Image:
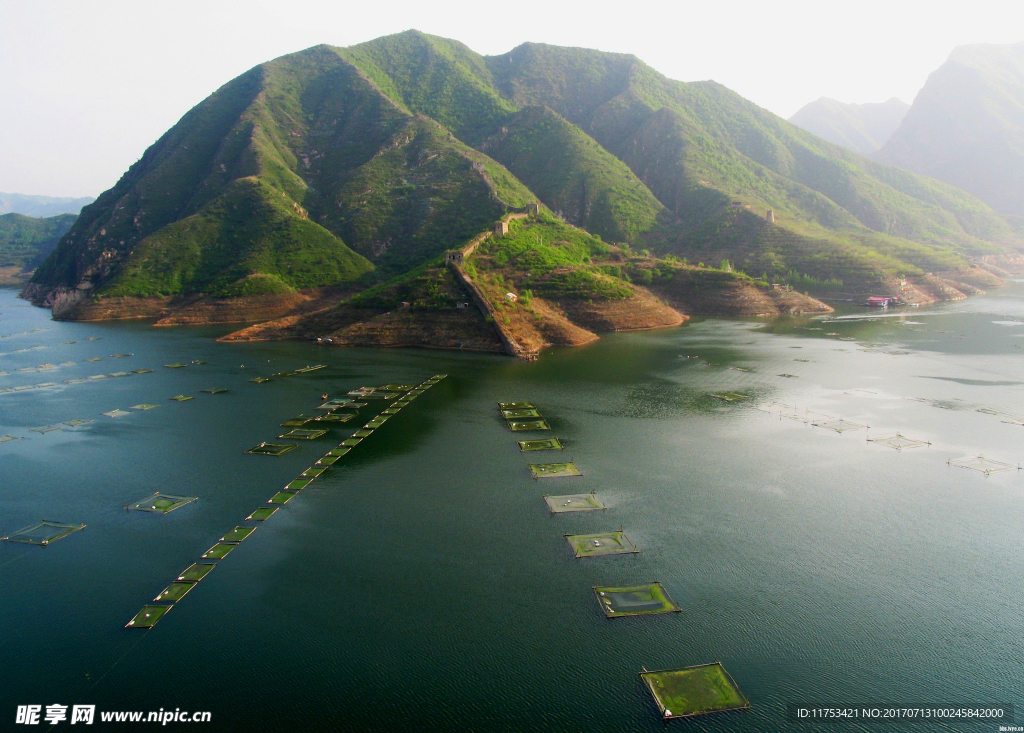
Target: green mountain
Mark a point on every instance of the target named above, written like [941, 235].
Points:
[26, 241]
[862, 128]
[966, 126]
[349, 166]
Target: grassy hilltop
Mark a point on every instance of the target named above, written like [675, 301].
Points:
[346, 168]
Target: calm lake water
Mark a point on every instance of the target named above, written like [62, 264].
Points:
[422, 584]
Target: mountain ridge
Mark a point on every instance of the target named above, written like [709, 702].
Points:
[391, 152]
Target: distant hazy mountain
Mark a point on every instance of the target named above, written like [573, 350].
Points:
[20, 203]
[26, 241]
[863, 128]
[966, 126]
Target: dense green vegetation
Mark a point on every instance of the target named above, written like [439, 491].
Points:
[336, 166]
[249, 230]
[544, 256]
[26, 241]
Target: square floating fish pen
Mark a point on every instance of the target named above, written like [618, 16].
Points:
[215, 390]
[554, 470]
[181, 398]
[335, 417]
[573, 503]
[175, 366]
[297, 422]
[143, 406]
[338, 452]
[161, 503]
[281, 497]
[684, 693]
[238, 534]
[543, 444]
[271, 449]
[634, 600]
[327, 460]
[899, 442]
[526, 425]
[116, 413]
[731, 396]
[312, 472]
[147, 617]
[175, 591]
[261, 514]
[983, 465]
[298, 484]
[46, 429]
[350, 442]
[515, 406]
[218, 551]
[8, 438]
[838, 425]
[364, 433]
[260, 380]
[196, 571]
[142, 371]
[520, 414]
[300, 434]
[600, 544]
[43, 533]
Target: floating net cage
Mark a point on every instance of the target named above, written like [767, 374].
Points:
[338, 452]
[181, 398]
[196, 571]
[524, 425]
[147, 617]
[684, 693]
[520, 414]
[899, 441]
[215, 390]
[281, 497]
[601, 544]
[261, 514]
[298, 484]
[542, 444]
[838, 425]
[43, 533]
[298, 422]
[731, 396]
[573, 503]
[175, 366]
[143, 406]
[238, 534]
[46, 429]
[327, 460]
[351, 442]
[336, 402]
[312, 472]
[260, 380]
[554, 470]
[363, 433]
[175, 591]
[8, 438]
[161, 503]
[218, 552]
[116, 413]
[300, 434]
[142, 371]
[983, 465]
[271, 449]
[634, 600]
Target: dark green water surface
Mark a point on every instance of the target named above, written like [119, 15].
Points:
[421, 584]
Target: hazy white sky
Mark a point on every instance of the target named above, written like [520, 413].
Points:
[87, 85]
